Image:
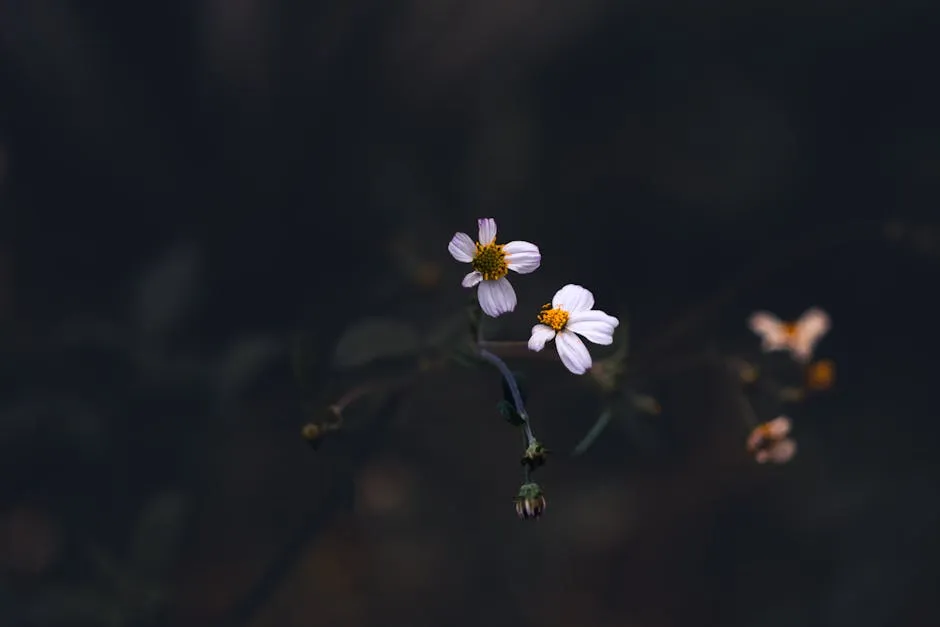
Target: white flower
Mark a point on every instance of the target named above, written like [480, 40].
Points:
[491, 263]
[569, 313]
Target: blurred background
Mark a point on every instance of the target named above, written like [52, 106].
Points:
[193, 192]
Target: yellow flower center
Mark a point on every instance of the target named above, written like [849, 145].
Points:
[556, 318]
[490, 261]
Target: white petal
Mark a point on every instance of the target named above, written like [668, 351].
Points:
[462, 248]
[574, 354]
[593, 315]
[810, 328]
[779, 427]
[815, 318]
[496, 297]
[594, 325]
[573, 298]
[770, 328]
[523, 257]
[764, 323]
[596, 332]
[541, 333]
[487, 233]
[472, 279]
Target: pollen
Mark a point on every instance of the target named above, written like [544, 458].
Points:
[490, 261]
[556, 318]
[790, 329]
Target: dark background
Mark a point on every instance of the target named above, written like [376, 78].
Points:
[185, 186]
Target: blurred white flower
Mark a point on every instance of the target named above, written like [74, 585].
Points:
[799, 338]
[768, 441]
[491, 262]
[570, 313]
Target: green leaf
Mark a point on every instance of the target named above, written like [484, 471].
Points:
[645, 403]
[156, 540]
[508, 411]
[305, 361]
[451, 338]
[450, 331]
[474, 318]
[166, 292]
[243, 363]
[74, 606]
[622, 338]
[465, 357]
[375, 338]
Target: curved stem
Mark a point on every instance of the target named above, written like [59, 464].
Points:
[517, 349]
[513, 389]
[350, 397]
[746, 407]
[602, 421]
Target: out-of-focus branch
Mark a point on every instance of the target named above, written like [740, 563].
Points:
[786, 255]
[340, 496]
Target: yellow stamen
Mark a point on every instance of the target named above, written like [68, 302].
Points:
[556, 318]
[490, 261]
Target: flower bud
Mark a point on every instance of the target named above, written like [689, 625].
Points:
[313, 434]
[530, 502]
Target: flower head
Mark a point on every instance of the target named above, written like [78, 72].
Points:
[535, 455]
[491, 262]
[768, 442]
[314, 433]
[570, 313]
[799, 338]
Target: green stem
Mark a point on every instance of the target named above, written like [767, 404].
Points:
[513, 389]
[602, 421]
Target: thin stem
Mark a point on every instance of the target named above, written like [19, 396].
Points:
[602, 421]
[341, 496]
[747, 409]
[513, 389]
[519, 349]
[377, 385]
[350, 397]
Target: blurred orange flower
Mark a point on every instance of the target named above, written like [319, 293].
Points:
[768, 442]
[820, 375]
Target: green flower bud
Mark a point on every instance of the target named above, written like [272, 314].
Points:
[530, 502]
